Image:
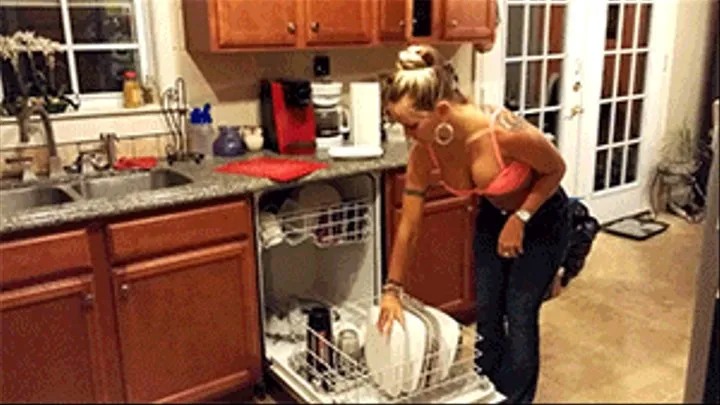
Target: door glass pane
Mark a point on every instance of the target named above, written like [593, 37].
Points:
[102, 23]
[632, 163]
[41, 17]
[512, 86]
[557, 29]
[600, 169]
[628, 26]
[644, 34]
[515, 30]
[637, 113]
[640, 70]
[608, 76]
[102, 71]
[536, 33]
[616, 166]
[532, 85]
[624, 75]
[620, 116]
[534, 119]
[611, 29]
[553, 82]
[604, 125]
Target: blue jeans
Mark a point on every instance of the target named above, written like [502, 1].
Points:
[510, 292]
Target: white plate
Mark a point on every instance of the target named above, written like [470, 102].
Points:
[355, 152]
[449, 331]
[395, 361]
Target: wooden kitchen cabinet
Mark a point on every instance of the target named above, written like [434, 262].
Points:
[469, 20]
[50, 343]
[330, 22]
[189, 324]
[443, 273]
[393, 20]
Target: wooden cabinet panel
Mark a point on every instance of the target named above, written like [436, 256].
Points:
[469, 19]
[45, 255]
[49, 343]
[442, 274]
[243, 23]
[189, 323]
[393, 20]
[330, 22]
[162, 234]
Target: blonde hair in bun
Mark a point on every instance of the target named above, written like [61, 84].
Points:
[423, 75]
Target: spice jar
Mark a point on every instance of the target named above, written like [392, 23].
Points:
[132, 91]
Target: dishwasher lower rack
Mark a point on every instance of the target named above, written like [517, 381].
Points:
[338, 377]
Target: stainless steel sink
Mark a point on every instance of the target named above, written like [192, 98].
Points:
[14, 200]
[121, 185]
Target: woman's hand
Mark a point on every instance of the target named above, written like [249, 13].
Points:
[511, 238]
[391, 309]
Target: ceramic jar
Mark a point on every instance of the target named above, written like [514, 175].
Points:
[253, 137]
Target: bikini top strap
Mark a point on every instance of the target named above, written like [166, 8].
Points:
[433, 157]
[498, 155]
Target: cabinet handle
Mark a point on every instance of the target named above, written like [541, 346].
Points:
[124, 290]
[453, 23]
[401, 23]
[88, 301]
[291, 27]
[315, 26]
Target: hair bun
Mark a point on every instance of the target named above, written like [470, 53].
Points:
[416, 57]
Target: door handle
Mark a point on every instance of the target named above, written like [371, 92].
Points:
[575, 111]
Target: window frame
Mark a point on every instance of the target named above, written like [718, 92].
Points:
[110, 100]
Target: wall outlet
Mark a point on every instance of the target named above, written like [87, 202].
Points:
[321, 65]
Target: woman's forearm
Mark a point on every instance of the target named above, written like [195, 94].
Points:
[545, 186]
[403, 252]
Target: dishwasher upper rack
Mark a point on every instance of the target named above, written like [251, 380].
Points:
[327, 225]
[347, 379]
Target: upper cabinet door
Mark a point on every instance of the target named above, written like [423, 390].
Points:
[469, 19]
[330, 22]
[393, 20]
[244, 23]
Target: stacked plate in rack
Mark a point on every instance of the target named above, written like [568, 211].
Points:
[413, 358]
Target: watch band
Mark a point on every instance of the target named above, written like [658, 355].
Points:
[524, 215]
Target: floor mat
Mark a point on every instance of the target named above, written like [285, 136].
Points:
[640, 227]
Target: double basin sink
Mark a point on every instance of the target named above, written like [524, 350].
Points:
[112, 186]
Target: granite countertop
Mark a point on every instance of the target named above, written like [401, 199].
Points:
[207, 185]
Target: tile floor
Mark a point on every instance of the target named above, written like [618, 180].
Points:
[620, 332]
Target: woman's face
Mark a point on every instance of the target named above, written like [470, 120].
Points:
[418, 125]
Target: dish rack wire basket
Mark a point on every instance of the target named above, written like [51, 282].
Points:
[343, 223]
[343, 378]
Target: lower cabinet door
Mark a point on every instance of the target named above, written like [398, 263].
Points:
[189, 324]
[48, 336]
[442, 274]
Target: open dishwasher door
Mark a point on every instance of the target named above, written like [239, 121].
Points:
[319, 256]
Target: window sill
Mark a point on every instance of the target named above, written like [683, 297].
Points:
[87, 113]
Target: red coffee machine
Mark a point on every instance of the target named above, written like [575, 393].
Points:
[287, 114]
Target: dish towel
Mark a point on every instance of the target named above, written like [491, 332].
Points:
[127, 163]
[277, 169]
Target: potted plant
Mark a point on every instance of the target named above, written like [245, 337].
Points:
[31, 79]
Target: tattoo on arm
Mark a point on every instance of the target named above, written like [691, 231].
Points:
[514, 123]
[415, 192]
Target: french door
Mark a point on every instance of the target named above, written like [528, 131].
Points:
[580, 70]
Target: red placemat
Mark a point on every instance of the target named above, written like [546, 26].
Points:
[277, 169]
[146, 162]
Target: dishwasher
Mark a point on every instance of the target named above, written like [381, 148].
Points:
[319, 254]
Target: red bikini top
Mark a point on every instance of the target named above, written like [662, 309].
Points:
[510, 178]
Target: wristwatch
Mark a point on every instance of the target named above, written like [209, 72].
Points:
[524, 215]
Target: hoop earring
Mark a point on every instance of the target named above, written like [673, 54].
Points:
[444, 140]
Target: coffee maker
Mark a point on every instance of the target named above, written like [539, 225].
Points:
[288, 116]
[331, 117]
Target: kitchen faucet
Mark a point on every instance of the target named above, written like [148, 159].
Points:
[28, 110]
